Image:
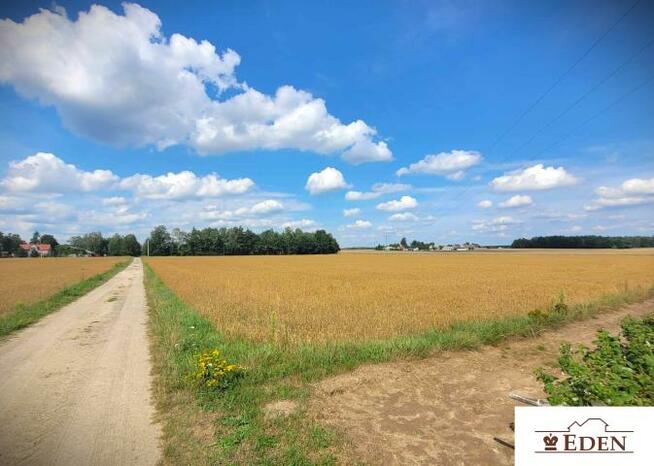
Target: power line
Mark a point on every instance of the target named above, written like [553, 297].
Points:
[576, 102]
[563, 76]
[579, 100]
[615, 102]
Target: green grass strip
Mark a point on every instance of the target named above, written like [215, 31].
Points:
[240, 433]
[27, 314]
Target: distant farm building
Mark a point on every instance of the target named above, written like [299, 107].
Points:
[40, 249]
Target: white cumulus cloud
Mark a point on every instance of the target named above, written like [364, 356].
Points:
[485, 204]
[377, 190]
[516, 201]
[403, 217]
[118, 79]
[330, 179]
[184, 184]
[266, 207]
[303, 224]
[404, 203]
[359, 225]
[451, 164]
[634, 191]
[535, 178]
[495, 225]
[351, 212]
[47, 173]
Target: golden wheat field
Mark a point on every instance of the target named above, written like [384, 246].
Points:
[27, 280]
[353, 296]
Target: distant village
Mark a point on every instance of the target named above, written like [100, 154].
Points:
[421, 246]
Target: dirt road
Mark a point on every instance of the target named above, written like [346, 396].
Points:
[75, 387]
[446, 409]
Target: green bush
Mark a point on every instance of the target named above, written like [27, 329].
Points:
[619, 371]
[557, 310]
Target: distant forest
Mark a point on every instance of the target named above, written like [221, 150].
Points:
[237, 241]
[585, 242]
[161, 242]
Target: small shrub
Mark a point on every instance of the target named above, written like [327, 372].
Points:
[617, 372]
[212, 371]
[557, 309]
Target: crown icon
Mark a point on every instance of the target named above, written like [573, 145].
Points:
[550, 442]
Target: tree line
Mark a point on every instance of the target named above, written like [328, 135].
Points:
[584, 242]
[237, 241]
[197, 242]
[90, 243]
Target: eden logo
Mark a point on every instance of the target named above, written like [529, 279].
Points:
[584, 436]
[590, 436]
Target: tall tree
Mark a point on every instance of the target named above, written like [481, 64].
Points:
[116, 246]
[160, 242]
[93, 242]
[10, 243]
[131, 245]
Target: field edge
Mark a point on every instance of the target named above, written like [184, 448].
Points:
[203, 427]
[25, 315]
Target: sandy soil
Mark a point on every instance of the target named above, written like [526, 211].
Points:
[445, 409]
[75, 387]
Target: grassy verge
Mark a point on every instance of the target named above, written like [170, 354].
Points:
[230, 427]
[27, 314]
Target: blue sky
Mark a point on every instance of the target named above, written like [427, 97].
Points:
[374, 121]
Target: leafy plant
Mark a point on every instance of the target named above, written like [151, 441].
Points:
[557, 309]
[212, 371]
[619, 371]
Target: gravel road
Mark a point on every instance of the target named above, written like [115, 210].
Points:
[75, 387]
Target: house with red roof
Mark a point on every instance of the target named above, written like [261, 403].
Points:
[42, 249]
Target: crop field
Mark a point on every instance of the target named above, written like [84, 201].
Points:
[367, 296]
[27, 280]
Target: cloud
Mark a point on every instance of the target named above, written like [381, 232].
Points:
[266, 207]
[351, 212]
[184, 184]
[377, 190]
[361, 196]
[367, 151]
[114, 201]
[632, 192]
[638, 186]
[359, 225]
[261, 208]
[485, 204]
[516, 201]
[117, 79]
[304, 224]
[46, 173]
[495, 225]
[404, 203]
[403, 217]
[330, 179]
[451, 164]
[534, 178]
[626, 201]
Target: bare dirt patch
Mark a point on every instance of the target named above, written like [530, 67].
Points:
[281, 408]
[447, 408]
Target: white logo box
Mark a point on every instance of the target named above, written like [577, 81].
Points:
[580, 436]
